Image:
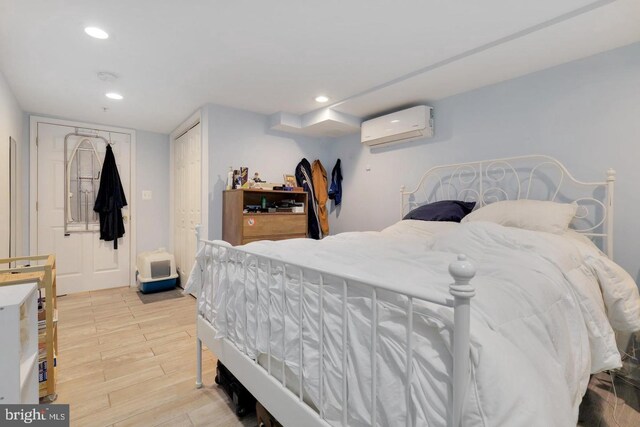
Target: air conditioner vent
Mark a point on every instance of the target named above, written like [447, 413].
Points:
[401, 126]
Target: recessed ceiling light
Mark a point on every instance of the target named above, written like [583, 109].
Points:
[97, 33]
[113, 95]
[322, 98]
[395, 121]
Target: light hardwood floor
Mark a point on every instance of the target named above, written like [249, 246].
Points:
[125, 363]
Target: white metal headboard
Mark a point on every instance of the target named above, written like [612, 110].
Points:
[535, 177]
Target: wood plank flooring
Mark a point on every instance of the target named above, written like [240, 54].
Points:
[125, 363]
[601, 407]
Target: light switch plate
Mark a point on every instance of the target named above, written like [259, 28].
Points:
[146, 194]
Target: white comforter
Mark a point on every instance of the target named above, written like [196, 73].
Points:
[541, 320]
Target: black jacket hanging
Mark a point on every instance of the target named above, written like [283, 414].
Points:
[303, 178]
[110, 201]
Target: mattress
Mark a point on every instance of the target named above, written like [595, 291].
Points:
[542, 319]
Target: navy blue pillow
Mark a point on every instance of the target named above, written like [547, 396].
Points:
[444, 210]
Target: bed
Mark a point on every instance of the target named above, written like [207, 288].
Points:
[426, 323]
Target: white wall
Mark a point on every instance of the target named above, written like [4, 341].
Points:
[585, 113]
[11, 125]
[241, 138]
[152, 173]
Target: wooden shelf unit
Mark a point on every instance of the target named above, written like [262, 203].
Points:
[239, 228]
[45, 275]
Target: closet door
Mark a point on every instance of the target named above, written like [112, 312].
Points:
[187, 198]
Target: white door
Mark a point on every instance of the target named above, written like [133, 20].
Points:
[84, 262]
[187, 210]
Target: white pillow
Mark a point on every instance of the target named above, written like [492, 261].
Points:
[536, 215]
[580, 238]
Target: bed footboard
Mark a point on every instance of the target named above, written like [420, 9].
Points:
[276, 395]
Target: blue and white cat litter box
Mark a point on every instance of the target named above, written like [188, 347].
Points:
[156, 271]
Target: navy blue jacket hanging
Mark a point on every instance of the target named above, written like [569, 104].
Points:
[303, 178]
[110, 201]
[335, 190]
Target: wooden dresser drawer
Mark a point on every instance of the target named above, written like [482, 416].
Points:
[273, 237]
[262, 225]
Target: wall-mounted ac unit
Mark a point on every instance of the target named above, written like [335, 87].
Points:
[401, 126]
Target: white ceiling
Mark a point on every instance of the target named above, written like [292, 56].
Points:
[367, 55]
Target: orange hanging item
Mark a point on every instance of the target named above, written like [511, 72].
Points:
[319, 177]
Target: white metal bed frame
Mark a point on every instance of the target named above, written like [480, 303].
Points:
[484, 182]
[515, 178]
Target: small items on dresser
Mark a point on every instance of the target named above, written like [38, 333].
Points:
[230, 178]
[244, 176]
[238, 178]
